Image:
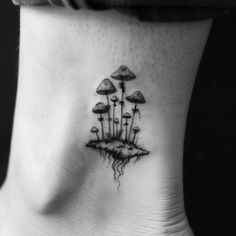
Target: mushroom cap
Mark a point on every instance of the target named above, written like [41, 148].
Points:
[136, 129]
[136, 97]
[94, 129]
[100, 108]
[106, 87]
[116, 121]
[114, 98]
[124, 74]
[127, 115]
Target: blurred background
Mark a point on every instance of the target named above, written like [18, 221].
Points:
[210, 146]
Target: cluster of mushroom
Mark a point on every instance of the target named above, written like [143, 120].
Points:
[107, 88]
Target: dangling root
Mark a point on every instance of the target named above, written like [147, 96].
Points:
[118, 168]
[118, 164]
[117, 161]
[114, 167]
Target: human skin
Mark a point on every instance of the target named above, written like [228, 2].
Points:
[58, 186]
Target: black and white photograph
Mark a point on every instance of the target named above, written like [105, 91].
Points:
[117, 117]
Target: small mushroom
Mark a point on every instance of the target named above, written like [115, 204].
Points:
[122, 74]
[116, 122]
[100, 108]
[126, 116]
[114, 99]
[106, 88]
[95, 131]
[136, 98]
[135, 131]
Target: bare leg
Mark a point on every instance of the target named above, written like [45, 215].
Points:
[58, 186]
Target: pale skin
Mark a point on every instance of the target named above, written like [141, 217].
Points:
[58, 186]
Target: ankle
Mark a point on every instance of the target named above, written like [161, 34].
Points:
[145, 202]
[108, 218]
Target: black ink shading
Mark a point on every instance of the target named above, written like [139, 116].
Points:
[119, 144]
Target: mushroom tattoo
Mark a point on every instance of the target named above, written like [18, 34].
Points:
[136, 98]
[122, 74]
[105, 88]
[112, 146]
[100, 108]
[114, 99]
[126, 116]
[95, 130]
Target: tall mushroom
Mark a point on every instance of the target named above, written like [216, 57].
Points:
[95, 131]
[122, 74]
[135, 131]
[106, 88]
[126, 116]
[100, 108]
[116, 122]
[136, 98]
[114, 99]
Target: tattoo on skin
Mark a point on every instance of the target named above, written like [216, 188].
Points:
[117, 139]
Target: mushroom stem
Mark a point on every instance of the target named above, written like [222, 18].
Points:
[116, 131]
[113, 124]
[132, 122]
[126, 130]
[134, 136]
[102, 128]
[122, 86]
[97, 136]
[109, 118]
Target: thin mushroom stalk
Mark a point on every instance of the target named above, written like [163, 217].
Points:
[126, 131]
[102, 126]
[134, 137]
[114, 99]
[113, 124]
[97, 136]
[135, 131]
[116, 130]
[109, 117]
[134, 110]
[116, 122]
[122, 86]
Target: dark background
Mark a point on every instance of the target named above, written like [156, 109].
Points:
[209, 159]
